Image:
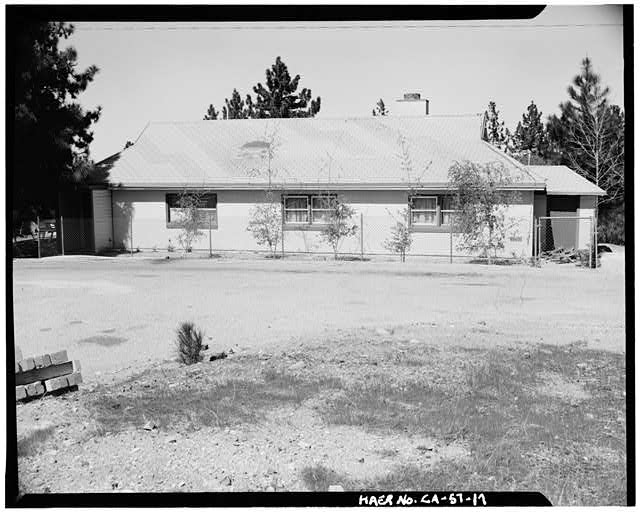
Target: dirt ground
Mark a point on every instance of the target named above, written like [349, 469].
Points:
[116, 315]
[337, 370]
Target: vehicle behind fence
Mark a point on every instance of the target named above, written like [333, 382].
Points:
[41, 237]
[566, 239]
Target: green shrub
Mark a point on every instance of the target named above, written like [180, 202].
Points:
[189, 343]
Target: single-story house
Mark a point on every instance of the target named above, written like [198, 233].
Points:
[378, 165]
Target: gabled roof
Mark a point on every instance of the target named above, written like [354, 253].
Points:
[343, 153]
[560, 180]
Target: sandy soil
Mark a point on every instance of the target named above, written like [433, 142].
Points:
[118, 314]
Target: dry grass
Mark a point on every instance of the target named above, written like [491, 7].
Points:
[32, 442]
[519, 438]
[496, 403]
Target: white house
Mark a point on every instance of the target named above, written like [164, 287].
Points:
[378, 165]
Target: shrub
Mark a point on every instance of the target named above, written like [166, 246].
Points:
[400, 240]
[189, 343]
[338, 223]
[266, 224]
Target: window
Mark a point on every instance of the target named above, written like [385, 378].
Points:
[207, 211]
[424, 211]
[320, 208]
[296, 210]
[308, 209]
[432, 210]
[447, 210]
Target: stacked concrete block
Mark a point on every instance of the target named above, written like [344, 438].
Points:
[46, 373]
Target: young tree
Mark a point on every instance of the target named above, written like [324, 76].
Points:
[494, 127]
[481, 197]
[265, 221]
[128, 144]
[212, 114]
[51, 127]
[339, 224]
[189, 203]
[529, 139]
[589, 134]
[280, 99]
[401, 237]
[381, 109]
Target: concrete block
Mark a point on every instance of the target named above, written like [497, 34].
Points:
[40, 374]
[35, 389]
[27, 364]
[59, 357]
[56, 383]
[21, 392]
[46, 360]
[17, 368]
[18, 353]
[74, 379]
[39, 361]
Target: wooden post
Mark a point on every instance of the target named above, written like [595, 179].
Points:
[38, 233]
[131, 233]
[62, 233]
[361, 238]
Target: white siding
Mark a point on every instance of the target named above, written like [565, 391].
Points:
[144, 212]
[102, 220]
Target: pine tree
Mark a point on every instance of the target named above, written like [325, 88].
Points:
[494, 128]
[237, 108]
[589, 134]
[52, 132]
[380, 109]
[279, 98]
[528, 143]
[212, 114]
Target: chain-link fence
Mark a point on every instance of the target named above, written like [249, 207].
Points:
[566, 239]
[35, 238]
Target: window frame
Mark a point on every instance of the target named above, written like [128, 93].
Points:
[310, 223]
[424, 210]
[203, 223]
[286, 210]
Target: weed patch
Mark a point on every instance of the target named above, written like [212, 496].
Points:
[31, 444]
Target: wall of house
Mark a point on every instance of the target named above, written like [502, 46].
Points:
[102, 227]
[139, 221]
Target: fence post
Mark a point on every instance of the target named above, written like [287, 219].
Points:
[38, 233]
[131, 233]
[450, 239]
[210, 253]
[361, 238]
[62, 233]
[539, 251]
[591, 244]
[282, 228]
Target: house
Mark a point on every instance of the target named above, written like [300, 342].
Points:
[378, 165]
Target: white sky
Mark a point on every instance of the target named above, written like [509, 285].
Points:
[173, 71]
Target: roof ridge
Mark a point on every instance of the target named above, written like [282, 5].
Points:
[302, 119]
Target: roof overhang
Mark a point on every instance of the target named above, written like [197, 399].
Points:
[304, 186]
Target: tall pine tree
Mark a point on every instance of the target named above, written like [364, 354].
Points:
[494, 128]
[528, 143]
[52, 131]
[588, 135]
[212, 114]
[280, 99]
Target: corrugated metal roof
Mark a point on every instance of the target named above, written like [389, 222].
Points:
[561, 180]
[359, 153]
